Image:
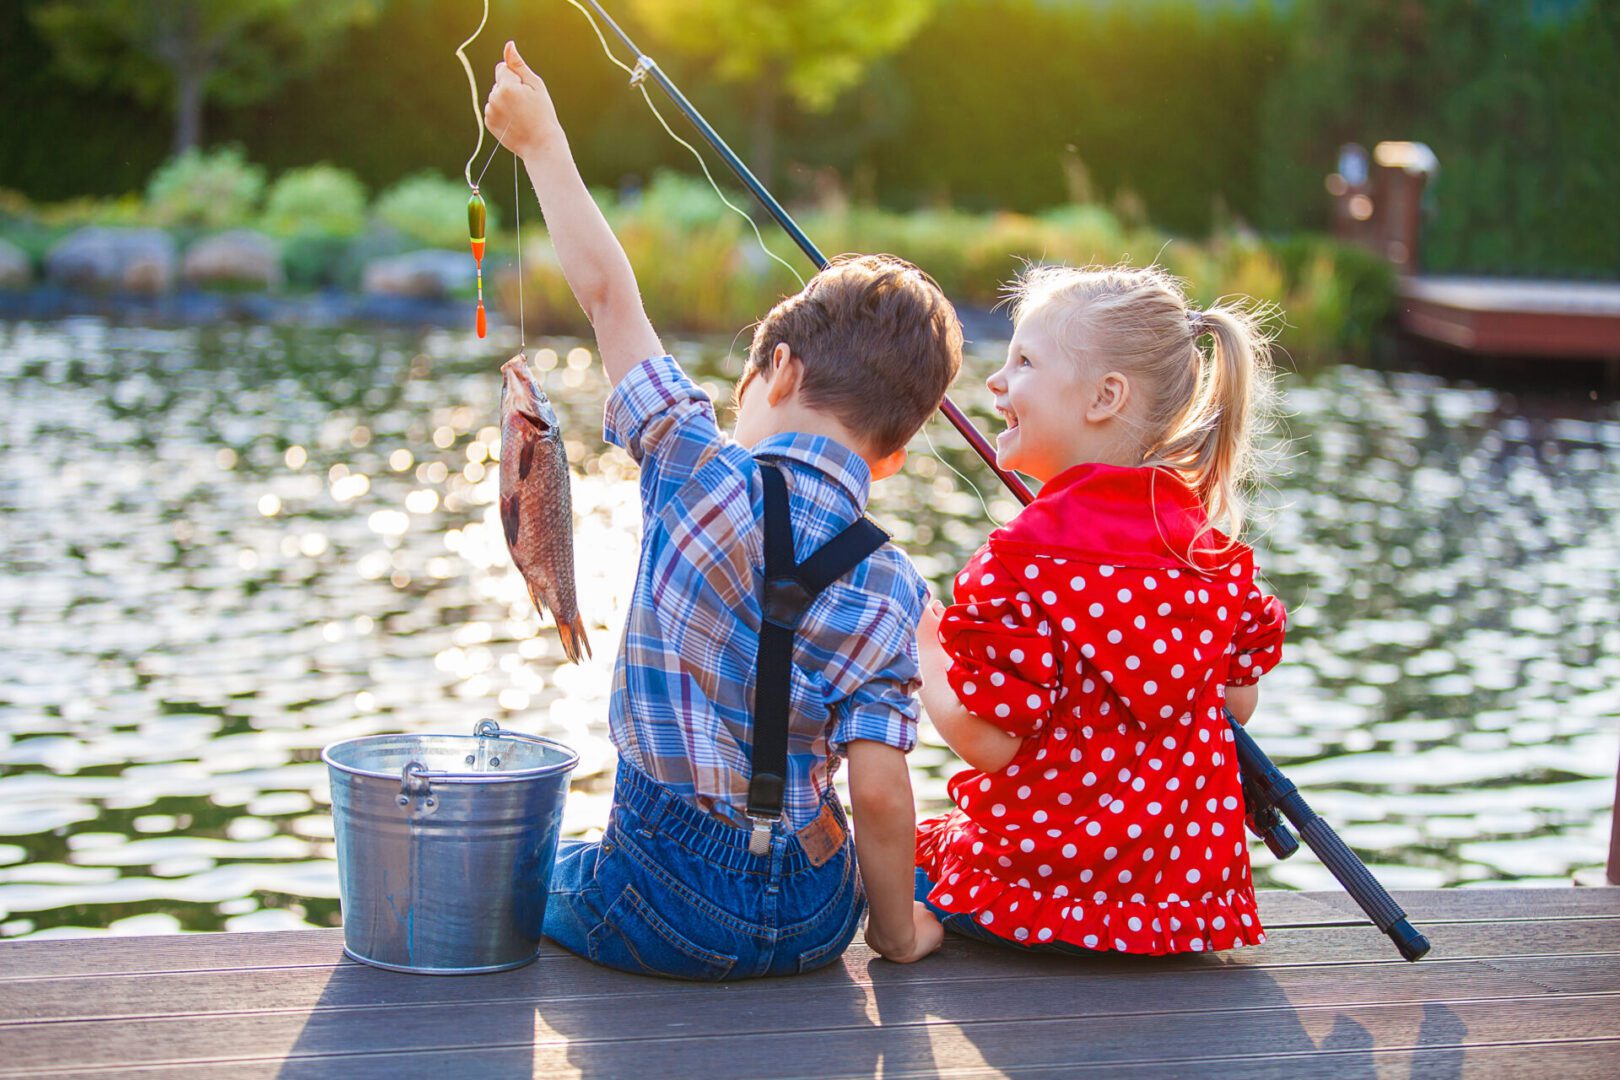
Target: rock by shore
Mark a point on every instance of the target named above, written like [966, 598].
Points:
[105, 258]
[241, 258]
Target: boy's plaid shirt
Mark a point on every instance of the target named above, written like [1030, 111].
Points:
[683, 685]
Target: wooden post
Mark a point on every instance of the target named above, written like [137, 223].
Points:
[1614, 835]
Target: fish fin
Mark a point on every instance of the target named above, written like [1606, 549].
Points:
[510, 518]
[574, 641]
[525, 460]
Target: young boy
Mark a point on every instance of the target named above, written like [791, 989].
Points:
[736, 691]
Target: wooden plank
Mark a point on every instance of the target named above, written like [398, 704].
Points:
[1342, 945]
[354, 986]
[323, 948]
[1489, 905]
[906, 1042]
[378, 1009]
[1578, 1060]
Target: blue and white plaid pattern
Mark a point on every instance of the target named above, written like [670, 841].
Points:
[683, 685]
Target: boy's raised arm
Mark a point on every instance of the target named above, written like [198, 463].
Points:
[520, 113]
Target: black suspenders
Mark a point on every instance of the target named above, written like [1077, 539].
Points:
[790, 588]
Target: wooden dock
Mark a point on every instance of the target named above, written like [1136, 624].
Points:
[1508, 317]
[1520, 983]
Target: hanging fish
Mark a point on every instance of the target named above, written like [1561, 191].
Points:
[536, 502]
[475, 233]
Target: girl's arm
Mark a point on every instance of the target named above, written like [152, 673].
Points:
[978, 742]
[1242, 700]
[521, 115]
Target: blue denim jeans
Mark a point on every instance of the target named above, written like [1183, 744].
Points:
[671, 890]
[967, 926]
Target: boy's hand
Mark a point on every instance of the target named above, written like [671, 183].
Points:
[926, 937]
[519, 112]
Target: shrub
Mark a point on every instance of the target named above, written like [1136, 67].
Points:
[431, 210]
[319, 199]
[205, 189]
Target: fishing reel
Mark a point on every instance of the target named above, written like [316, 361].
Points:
[1266, 822]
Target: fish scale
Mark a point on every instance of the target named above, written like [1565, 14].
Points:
[536, 502]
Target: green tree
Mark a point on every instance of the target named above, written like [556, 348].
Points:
[187, 52]
[812, 50]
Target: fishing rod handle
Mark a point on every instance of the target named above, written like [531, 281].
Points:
[1363, 888]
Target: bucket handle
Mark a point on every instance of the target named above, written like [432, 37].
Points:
[490, 729]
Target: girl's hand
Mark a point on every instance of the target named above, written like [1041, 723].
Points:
[519, 112]
[926, 937]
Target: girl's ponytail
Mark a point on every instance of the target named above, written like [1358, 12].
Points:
[1212, 442]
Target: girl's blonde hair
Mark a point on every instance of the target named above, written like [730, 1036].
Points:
[1206, 406]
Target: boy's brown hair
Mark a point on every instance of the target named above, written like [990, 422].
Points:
[879, 342]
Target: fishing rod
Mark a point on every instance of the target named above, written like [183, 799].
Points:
[1268, 794]
[645, 68]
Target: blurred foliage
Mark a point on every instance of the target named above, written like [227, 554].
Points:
[1519, 101]
[182, 53]
[430, 209]
[205, 189]
[320, 199]
[814, 49]
[710, 276]
[1193, 115]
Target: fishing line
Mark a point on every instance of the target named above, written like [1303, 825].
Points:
[478, 114]
[517, 227]
[937, 456]
[637, 79]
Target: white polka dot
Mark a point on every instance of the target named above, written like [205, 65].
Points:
[997, 678]
[1177, 671]
[1077, 583]
[969, 689]
[1124, 596]
[1031, 570]
[1096, 611]
[1134, 923]
[1193, 876]
[1154, 808]
[1229, 803]
[1164, 609]
[1026, 845]
[1115, 637]
[1093, 828]
[990, 651]
[1002, 710]
[999, 810]
[1068, 625]
[987, 917]
[946, 900]
[1196, 945]
[1045, 933]
[1107, 753]
[1133, 663]
[1106, 571]
[1089, 939]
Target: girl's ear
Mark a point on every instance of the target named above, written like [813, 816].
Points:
[1108, 399]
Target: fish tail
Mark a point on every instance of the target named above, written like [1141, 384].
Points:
[574, 641]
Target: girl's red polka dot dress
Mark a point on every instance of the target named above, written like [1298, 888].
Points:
[1083, 627]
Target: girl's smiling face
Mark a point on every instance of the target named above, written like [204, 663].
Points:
[1059, 412]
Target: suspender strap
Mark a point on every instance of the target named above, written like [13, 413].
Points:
[790, 589]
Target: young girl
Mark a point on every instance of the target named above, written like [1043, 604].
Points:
[1097, 637]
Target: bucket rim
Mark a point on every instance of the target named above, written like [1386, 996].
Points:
[446, 776]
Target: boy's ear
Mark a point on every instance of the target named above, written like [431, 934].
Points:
[887, 466]
[1108, 401]
[786, 372]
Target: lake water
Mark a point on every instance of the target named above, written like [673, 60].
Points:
[226, 547]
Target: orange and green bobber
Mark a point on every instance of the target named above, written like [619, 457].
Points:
[475, 234]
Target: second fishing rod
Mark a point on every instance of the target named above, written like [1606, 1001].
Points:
[1267, 791]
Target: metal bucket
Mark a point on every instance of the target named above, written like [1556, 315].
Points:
[445, 845]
